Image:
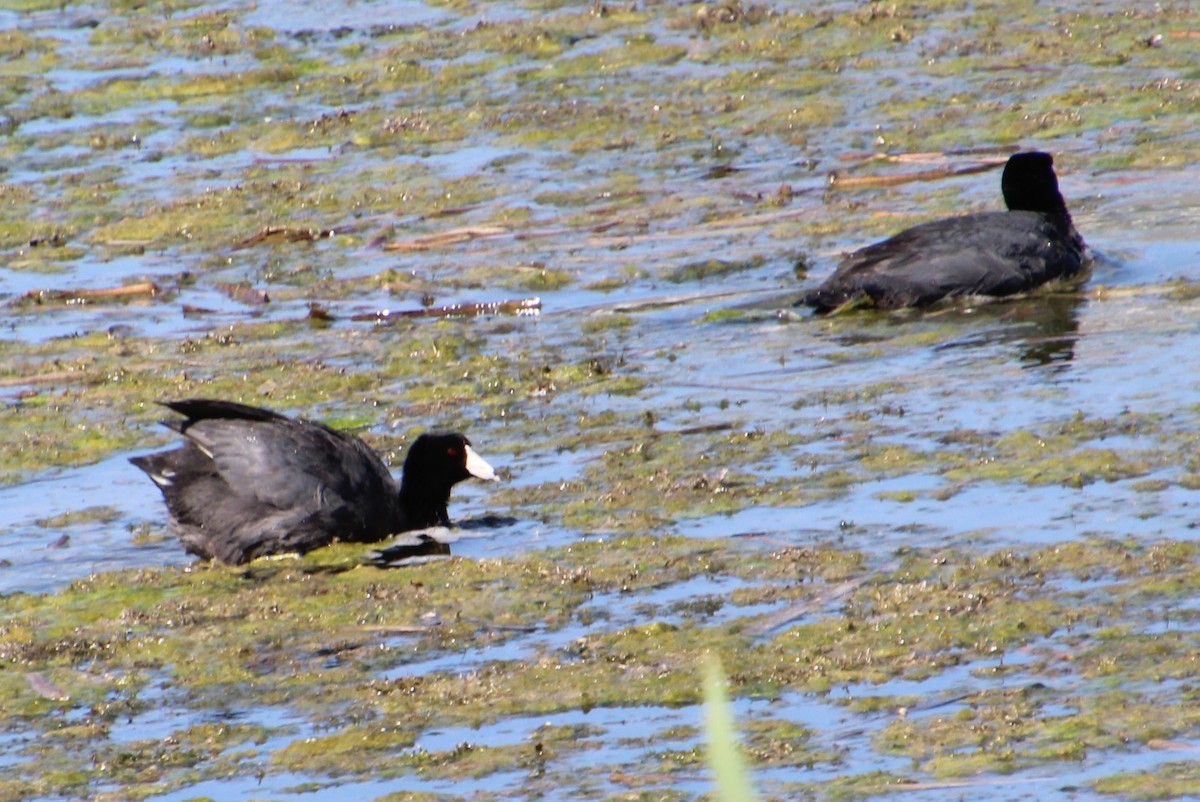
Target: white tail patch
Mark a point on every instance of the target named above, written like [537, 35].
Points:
[163, 478]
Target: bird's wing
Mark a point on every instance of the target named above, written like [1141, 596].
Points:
[291, 464]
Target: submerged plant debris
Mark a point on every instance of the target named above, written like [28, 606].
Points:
[937, 553]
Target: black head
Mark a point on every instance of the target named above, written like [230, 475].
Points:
[1029, 184]
[444, 459]
[435, 463]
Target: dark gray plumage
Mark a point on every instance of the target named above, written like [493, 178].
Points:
[249, 482]
[989, 254]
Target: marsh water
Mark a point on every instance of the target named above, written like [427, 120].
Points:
[657, 176]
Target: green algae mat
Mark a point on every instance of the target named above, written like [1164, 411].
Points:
[936, 554]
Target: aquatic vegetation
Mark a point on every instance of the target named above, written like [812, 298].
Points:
[1168, 781]
[316, 633]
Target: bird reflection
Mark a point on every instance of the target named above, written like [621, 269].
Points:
[1055, 323]
[1044, 327]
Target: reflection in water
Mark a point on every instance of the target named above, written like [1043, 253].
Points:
[409, 548]
[1044, 327]
[1055, 321]
[422, 545]
[1056, 329]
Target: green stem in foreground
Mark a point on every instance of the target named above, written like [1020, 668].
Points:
[724, 754]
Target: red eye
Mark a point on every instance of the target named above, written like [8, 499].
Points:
[452, 451]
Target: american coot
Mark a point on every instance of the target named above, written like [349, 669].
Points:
[989, 253]
[249, 482]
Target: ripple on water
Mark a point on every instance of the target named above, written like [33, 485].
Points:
[37, 565]
[314, 15]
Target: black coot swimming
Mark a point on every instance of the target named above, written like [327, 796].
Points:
[989, 253]
[249, 482]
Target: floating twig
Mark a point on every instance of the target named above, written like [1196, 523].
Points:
[244, 293]
[147, 289]
[191, 310]
[924, 155]
[1174, 746]
[452, 237]
[452, 211]
[273, 235]
[45, 688]
[400, 629]
[54, 377]
[839, 181]
[319, 313]
[804, 607]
